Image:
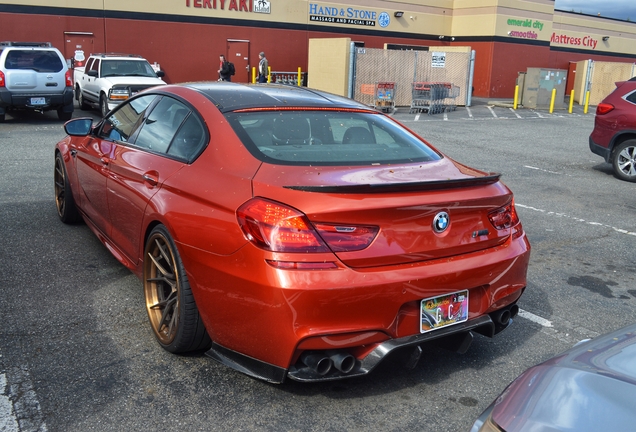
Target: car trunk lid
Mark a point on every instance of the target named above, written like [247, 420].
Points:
[404, 202]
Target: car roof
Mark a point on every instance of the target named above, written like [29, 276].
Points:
[118, 56]
[232, 96]
[5, 44]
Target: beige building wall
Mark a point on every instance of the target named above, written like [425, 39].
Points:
[503, 17]
[528, 19]
[588, 33]
[328, 65]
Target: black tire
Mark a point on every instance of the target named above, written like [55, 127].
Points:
[103, 105]
[624, 160]
[64, 201]
[64, 115]
[82, 102]
[171, 308]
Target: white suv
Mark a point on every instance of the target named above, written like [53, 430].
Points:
[34, 76]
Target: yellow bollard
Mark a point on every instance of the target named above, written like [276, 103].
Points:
[571, 101]
[514, 105]
[552, 100]
[587, 101]
[300, 79]
[253, 75]
[269, 74]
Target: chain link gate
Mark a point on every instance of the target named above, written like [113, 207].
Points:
[374, 65]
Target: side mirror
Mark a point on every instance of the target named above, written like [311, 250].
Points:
[79, 126]
[92, 73]
[161, 74]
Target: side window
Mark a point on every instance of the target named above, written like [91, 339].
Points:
[631, 97]
[123, 122]
[189, 140]
[162, 125]
[89, 65]
[95, 65]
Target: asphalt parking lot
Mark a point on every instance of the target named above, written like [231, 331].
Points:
[77, 353]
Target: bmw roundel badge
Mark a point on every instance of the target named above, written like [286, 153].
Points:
[441, 222]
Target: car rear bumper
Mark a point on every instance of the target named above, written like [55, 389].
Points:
[9, 99]
[300, 372]
[598, 149]
[272, 316]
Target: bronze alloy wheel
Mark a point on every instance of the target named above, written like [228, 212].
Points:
[161, 288]
[64, 201]
[170, 305]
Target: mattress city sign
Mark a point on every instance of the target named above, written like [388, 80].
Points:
[587, 41]
[258, 6]
[363, 17]
[527, 23]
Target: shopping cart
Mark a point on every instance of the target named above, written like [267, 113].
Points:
[384, 99]
[450, 104]
[429, 97]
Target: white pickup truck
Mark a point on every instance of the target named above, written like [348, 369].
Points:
[109, 79]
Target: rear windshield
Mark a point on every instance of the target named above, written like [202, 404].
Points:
[327, 138]
[39, 61]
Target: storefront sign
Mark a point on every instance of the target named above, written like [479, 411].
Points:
[587, 41]
[525, 23]
[260, 6]
[525, 35]
[353, 16]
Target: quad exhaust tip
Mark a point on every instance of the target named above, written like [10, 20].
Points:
[321, 363]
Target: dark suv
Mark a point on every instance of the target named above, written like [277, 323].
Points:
[614, 134]
[34, 75]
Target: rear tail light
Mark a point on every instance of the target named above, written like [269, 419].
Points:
[506, 217]
[346, 238]
[279, 228]
[2, 83]
[604, 108]
[69, 78]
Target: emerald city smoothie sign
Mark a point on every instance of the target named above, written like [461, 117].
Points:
[350, 15]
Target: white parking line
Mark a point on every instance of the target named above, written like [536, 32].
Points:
[534, 318]
[563, 215]
[445, 117]
[19, 406]
[515, 113]
[417, 117]
[8, 422]
[492, 111]
[470, 113]
[540, 169]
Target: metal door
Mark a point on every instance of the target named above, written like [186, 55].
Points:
[77, 47]
[238, 52]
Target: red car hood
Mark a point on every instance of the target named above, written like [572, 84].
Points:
[401, 200]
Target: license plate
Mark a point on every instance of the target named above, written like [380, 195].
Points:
[442, 311]
[38, 101]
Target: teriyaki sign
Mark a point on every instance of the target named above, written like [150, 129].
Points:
[350, 15]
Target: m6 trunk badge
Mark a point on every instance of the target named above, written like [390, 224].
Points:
[441, 222]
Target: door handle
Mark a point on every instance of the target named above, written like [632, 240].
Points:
[73, 152]
[150, 179]
[104, 160]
